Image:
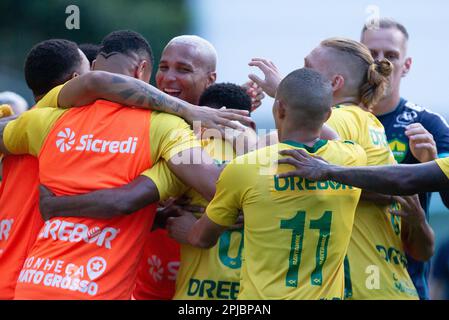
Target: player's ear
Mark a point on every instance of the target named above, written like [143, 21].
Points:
[338, 82]
[211, 78]
[74, 75]
[281, 109]
[143, 71]
[407, 66]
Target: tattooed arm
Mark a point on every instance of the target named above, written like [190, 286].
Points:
[129, 91]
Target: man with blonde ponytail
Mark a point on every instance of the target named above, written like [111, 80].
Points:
[415, 134]
[376, 265]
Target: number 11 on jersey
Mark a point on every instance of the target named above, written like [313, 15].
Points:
[297, 225]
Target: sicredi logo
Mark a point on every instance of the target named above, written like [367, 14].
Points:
[66, 140]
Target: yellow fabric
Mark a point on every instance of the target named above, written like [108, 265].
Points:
[32, 127]
[204, 273]
[168, 134]
[27, 133]
[375, 251]
[443, 163]
[50, 99]
[292, 226]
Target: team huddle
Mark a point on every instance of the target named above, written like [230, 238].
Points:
[122, 196]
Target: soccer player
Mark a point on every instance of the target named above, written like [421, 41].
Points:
[415, 134]
[83, 88]
[203, 274]
[296, 233]
[358, 83]
[209, 273]
[92, 258]
[186, 69]
[108, 85]
[227, 95]
[48, 64]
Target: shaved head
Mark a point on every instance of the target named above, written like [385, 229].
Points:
[203, 50]
[308, 96]
[331, 61]
[187, 67]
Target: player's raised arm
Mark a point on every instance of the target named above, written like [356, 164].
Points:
[129, 91]
[396, 180]
[272, 75]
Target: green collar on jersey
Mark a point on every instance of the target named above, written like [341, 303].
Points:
[315, 148]
[345, 104]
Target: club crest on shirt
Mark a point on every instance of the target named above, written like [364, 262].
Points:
[405, 118]
[399, 149]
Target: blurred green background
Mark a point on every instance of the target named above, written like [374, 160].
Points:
[27, 22]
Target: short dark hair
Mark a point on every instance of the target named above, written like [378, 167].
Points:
[90, 50]
[387, 23]
[51, 63]
[228, 95]
[308, 94]
[125, 42]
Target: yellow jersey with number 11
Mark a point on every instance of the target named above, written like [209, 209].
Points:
[296, 231]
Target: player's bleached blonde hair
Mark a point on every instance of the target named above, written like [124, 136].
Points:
[372, 74]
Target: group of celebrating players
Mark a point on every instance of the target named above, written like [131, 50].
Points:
[108, 193]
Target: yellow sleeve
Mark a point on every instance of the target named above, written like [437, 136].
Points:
[169, 135]
[228, 199]
[345, 123]
[167, 183]
[444, 165]
[50, 99]
[361, 157]
[27, 133]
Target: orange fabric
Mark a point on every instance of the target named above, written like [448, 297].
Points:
[156, 279]
[20, 219]
[83, 258]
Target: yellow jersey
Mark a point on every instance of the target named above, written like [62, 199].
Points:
[296, 231]
[376, 266]
[204, 274]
